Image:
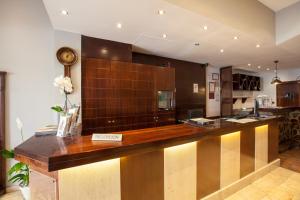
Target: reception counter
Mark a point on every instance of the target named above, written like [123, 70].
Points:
[181, 162]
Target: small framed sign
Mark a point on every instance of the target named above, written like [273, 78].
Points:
[212, 87]
[215, 76]
[195, 88]
[107, 137]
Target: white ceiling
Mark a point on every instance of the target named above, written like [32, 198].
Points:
[277, 5]
[143, 27]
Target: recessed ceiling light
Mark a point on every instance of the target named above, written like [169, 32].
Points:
[104, 51]
[236, 38]
[119, 25]
[258, 67]
[64, 12]
[164, 35]
[161, 12]
[249, 64]
[205, 27]
[222, 50]
[258, 45]
[268, 69]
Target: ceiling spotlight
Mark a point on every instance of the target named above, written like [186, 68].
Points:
[258, 45]
[268, 69]
[236, 38]
[119, 25]
[64, 12]
[222, 50]
[161, 12]
[197, 44]
[205, 27]
[249, 64]
[164, 35]
[258, 67]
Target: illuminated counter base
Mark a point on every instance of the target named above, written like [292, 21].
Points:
[212, 168]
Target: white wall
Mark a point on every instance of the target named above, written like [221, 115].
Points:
[212, 105]
[28, 46]
[287, 23]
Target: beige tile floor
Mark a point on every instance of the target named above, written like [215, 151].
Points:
[12, 196]
[280, 184]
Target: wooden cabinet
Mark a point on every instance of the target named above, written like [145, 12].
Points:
[288, 94]
[2, 132]
[120, 96]
[245, 82]
[226, 91]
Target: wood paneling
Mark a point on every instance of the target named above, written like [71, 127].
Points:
[52, 153]
[288, 94]
[118, 96]
[273, 139]
[208, 166]
[186, 73]
[2, 132]
[226, 91]
[142, 176]
[105, 49]
[247, 151]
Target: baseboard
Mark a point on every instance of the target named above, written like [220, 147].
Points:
[243, 182]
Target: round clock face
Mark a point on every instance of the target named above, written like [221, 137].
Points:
[66, 56]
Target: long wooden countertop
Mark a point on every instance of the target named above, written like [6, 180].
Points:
[51, 153]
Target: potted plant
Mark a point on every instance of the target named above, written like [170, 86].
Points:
[19, 172]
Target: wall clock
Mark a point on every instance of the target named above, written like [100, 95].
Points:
[67, 57]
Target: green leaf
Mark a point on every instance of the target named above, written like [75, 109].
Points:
[18, 177]
[57, 109]
[16, 168]
[7, 154]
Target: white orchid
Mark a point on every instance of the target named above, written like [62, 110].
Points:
[20, 127]
[19, 123]
[64, 84]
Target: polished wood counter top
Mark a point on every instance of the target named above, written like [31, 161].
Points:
[51, 153]
[278, 109]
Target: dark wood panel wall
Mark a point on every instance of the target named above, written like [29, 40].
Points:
[105, 49]
[2, 131]
[226, 91]
[186, 73]
[106, 58]
[117, 94]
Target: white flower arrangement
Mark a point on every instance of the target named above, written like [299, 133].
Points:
[64, 84]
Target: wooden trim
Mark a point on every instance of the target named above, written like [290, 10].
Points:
[142, 176]
[273, 139]
[59, 153]
[2, 132]
[208, 166]
[226, 102]
[247, 151]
